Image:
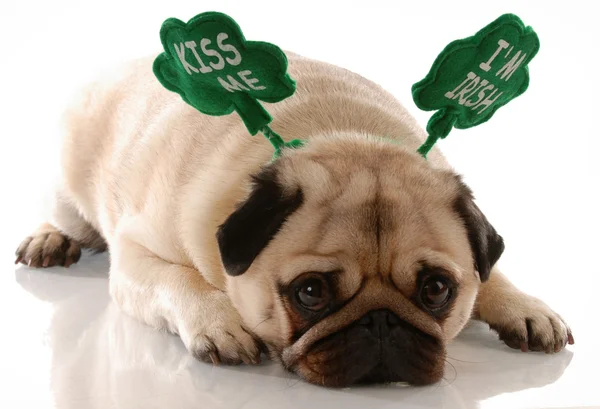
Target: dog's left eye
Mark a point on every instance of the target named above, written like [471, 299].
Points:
[313, 293]
[435, 293]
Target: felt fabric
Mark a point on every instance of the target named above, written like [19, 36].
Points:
[211, 65]
[475, 76]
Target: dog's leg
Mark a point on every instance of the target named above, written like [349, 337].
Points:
[178, 298]
[522, 321]
[59, 243]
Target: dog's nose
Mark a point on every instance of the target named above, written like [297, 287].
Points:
[379, 322]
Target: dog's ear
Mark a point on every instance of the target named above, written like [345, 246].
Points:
[486, 244]
[249, 229]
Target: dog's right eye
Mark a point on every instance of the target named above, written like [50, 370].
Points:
[313, 293]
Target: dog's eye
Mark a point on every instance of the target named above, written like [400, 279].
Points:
[435, 293]
[313, 293]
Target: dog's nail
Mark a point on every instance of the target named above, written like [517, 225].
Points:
[30, 264]
[571, 339]
[557, 347]
[18, 260]
[524, 347]
[68, 262]
[214, 358]
[46, 261]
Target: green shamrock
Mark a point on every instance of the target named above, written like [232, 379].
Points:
[211, 65]
[475, 76]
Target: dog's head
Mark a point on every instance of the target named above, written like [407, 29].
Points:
[355, 261]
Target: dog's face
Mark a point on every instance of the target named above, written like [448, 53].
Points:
[355, 261]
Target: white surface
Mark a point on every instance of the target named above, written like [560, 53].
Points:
[65, 345]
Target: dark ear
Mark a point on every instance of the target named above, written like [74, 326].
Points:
[486, 245]
[249, 229]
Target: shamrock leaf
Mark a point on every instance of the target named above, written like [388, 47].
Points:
[211, 65]
[475, 76]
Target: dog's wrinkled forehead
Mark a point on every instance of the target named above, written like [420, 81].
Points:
[357, 171]
[363, 179]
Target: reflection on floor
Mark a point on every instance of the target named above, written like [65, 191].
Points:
[100, 358]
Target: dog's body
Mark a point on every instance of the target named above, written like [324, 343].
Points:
[171, 192]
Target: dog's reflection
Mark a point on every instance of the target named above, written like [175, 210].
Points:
[103, 359]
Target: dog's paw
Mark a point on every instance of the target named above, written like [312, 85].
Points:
[48, 247]
[218, 335]
[529, 324]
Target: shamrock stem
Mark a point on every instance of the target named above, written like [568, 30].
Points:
[439, 126]
[273, 137]
[427, 145]
[278, 142]
[254, 115]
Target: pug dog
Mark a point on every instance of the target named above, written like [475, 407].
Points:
[351, 260]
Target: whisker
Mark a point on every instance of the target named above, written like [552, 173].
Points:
[262, 322]
[289, 378]
[467, 362]
[455, 373]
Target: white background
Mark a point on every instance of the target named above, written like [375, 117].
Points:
[533, 167]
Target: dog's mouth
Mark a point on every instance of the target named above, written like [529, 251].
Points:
[378, 348]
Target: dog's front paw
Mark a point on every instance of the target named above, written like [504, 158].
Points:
[527, 323]
[48, 247]
[217, 334]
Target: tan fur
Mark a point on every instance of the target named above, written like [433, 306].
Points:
[154, 179]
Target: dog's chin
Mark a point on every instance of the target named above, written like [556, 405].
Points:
[356, 355]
